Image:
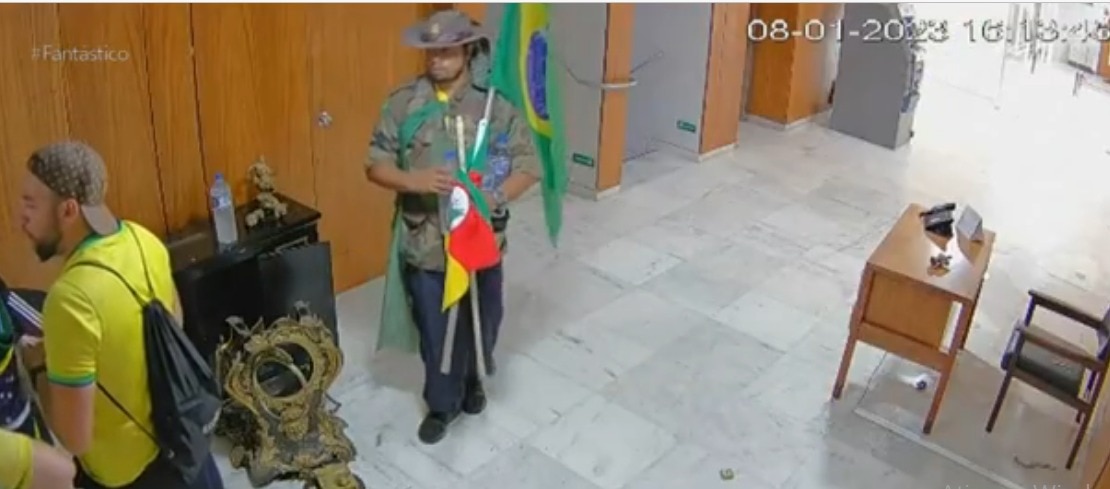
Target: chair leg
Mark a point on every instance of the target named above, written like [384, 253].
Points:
[1078, 441]
[998, 401]
[1091, 378]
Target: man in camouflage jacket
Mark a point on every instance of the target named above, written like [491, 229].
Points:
[409, 154]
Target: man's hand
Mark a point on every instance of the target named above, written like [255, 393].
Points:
[32, 352]
[437, 180]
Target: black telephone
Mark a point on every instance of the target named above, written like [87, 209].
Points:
[938, 219]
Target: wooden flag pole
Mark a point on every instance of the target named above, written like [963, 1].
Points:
[475, 312]
[445, 224]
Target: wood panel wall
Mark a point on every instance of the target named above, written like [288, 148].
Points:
[724, 79]
[33, 99]
[204, 89]
[173, 100]
[476, 11]
[789, 80]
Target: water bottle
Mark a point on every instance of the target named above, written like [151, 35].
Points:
[499, 162]
[223, 211]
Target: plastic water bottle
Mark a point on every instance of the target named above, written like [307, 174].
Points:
[223, 211]
[499, 163]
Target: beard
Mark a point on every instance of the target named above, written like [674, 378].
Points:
[47, 248]
[444, 76]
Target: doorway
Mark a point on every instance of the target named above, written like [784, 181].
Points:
[670, 52]
[1046, 86]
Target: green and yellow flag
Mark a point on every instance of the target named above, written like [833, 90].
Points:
[525, 74]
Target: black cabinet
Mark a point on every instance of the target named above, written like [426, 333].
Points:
[270, 268]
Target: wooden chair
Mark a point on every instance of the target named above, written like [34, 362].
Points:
[1055, 366]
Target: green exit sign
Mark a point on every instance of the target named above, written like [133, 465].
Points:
[686, 126]
[581, 159]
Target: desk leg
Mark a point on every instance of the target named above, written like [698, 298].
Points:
[938, 397]
[853, 332]
[970, 310]
[963, 325]
[845, 364]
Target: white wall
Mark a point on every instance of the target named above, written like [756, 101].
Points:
[671, 88]
[578, 31]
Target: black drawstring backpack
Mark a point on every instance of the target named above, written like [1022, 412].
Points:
[184, 395]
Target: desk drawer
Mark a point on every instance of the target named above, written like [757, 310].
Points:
[908, 308]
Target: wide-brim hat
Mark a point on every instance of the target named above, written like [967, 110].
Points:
[444, 29]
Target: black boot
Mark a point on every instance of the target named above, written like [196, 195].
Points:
[434, 427]
[474, 399]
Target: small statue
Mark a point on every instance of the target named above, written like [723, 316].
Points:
[940, 261]
[269, 207]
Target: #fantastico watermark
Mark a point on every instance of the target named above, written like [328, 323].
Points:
[81, 54]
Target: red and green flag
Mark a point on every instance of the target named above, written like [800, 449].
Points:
[470, 243]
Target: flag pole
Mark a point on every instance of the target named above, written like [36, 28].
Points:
[483, 125]
[445, 225]
[453, 313]
[475, 312]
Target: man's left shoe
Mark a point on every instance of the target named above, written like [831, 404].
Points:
[434, 427]
[474, 400]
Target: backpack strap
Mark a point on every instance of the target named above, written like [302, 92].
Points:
[142, 259]
[128, 414]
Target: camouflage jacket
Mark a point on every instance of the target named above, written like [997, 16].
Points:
[423, 244]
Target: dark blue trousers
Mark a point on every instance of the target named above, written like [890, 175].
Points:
[444, 393]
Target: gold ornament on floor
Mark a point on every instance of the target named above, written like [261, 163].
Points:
[277, 379]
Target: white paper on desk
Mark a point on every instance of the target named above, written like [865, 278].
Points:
[970, 225]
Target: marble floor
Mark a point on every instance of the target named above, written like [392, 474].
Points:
[693, 322]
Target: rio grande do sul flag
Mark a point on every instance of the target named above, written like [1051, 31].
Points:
[470, 244]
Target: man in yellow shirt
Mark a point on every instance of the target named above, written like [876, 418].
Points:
[99, 404]
[32, 464]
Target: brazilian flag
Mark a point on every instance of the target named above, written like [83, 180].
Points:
[524, 74]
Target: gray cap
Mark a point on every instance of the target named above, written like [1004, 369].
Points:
[74, 170]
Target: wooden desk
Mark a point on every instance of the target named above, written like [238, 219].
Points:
[903, 307]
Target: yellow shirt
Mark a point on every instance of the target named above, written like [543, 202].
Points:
[15, 451]
[93, 333]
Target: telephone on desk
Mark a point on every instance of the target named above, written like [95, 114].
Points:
[938, 219]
